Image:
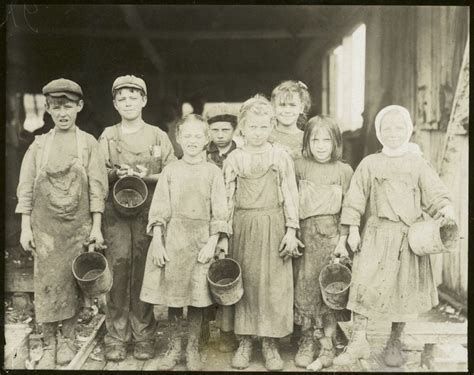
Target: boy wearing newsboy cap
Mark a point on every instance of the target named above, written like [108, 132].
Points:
[61, 193]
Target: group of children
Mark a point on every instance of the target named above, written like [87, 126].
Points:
[282, 205]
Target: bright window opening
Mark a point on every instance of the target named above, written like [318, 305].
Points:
[344, 81]
[34, 111]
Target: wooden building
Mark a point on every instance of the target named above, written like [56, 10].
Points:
[355, 59]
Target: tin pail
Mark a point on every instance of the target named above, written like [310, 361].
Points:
[335, 280]
[430, 237]
[129, 195]
[92, 273]
[225, 281]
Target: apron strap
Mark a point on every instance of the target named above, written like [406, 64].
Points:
[80, 142]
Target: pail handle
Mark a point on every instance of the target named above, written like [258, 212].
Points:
[336, 260]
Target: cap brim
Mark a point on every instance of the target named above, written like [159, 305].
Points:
[129, 85]
[69, 95]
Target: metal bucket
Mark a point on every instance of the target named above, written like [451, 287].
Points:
[335, 280]
[129, 195]
[92, 273]
[225, 281]
[430, 237]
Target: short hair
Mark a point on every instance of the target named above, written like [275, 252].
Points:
[193, 117]
[132, 89]
[258, 105]
[323, 122]
[61, 100]
[286, 89]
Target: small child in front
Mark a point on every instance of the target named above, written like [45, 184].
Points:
[263, 203]
[323, 179]
[187, 215]
[390, 282]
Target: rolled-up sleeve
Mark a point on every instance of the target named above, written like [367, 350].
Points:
[289, 190]
[434, 193]
[27, 180]
[219, 213]
[97, 177]
[160, 208]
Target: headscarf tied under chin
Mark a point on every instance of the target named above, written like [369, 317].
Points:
[407, 146]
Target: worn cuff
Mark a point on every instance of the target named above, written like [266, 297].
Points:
[292, 224]
[343, 230]
[153, 223]
[97, 206]
[349, 216]
[218, 226]
[22, 209]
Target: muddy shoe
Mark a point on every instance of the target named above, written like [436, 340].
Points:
[273, 361]
[392, 354]
[144, 350]
[65, 350]
[358, 348]
[241, 358]
[193, 357]
[306, 351]
[172, 356]
[325, 357]
[227, 342]
[48, 359]
[115, 352]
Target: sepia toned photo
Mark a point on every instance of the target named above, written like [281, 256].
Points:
[236, 187]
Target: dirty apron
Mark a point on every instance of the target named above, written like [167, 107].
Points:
[320, 206]
[61, 223]
[266, 308]
[390, 282]
[127, 317]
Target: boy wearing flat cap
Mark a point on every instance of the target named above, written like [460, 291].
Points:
[130, 147]
[61, 193]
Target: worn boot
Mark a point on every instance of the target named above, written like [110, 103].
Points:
[193, 357]
[172, 356]
[393, 350]
[325, 357]
[241, 358]
[306, 349]
[227, 342]
[48, 359]
[65, 350]
[144, 350]
[358, 348]
[273, 361]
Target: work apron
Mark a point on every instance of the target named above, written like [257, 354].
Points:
[127, 317]
[266, 308]
[61, 223]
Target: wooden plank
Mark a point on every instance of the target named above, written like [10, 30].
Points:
[130, 363]
[19, 280]
[86, 349]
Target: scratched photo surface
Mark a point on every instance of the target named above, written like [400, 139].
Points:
[205, 187]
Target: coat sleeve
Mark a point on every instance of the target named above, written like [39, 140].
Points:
[289, 190]
[230, 181]
[97, 177]
[160, 208]
[219, 214]
[346, 177]
[434, 193]
[26, 180]
[355, 200]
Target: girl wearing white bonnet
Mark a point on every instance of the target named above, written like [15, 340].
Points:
[390, 189]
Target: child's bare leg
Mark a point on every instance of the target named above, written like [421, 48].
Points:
[195, 318]
[358, 346]
[393, 351]
[327, 353]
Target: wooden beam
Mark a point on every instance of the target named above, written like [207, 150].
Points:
[133, 20]
[185, 35]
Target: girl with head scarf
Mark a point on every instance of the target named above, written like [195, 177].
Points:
[391, 189]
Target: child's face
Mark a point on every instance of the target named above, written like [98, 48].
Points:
[393, 130]
[192, 137]
[64, 112]
[321, 145]
[129, 103]
[221, 133]
[288, 109]
[257, 129]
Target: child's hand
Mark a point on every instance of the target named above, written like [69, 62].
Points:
[447, 213]
[206, 253]
[97, 237]
[289, 245]
[340, 251]
[143, 171]
[222, 247]
[27, 241]
[123, 171]
[353, 239]
[160, 257]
